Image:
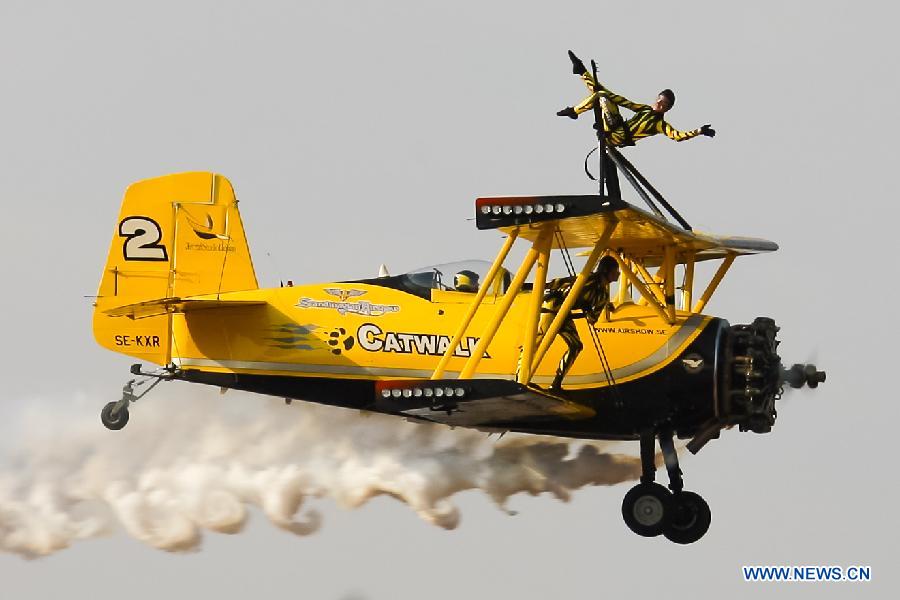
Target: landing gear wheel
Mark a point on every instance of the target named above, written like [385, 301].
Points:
[114, 422]
[646, 509]
[689, 518]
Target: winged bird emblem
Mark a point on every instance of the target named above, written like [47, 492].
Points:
[692, 363]
[205, 230]
[344, 294]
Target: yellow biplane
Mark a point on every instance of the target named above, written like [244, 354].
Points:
[179, 290]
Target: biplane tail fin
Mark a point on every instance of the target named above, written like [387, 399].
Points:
[176, 236]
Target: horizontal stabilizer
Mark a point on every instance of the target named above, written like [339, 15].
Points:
[474, 402]
[163, 306]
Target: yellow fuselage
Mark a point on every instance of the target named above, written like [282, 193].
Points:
[384, 333]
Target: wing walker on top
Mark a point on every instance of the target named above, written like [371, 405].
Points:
[613, 131]
[486, 348]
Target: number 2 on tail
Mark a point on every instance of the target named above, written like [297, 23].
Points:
[142, 236]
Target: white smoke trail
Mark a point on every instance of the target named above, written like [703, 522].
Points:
[183, 465]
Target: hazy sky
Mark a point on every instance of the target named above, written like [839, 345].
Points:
[360, 133]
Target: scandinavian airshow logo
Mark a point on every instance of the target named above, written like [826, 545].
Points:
[373, 339]
[344, 305]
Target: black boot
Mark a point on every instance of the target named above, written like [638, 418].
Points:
[577, 66]
[556, 386]
[567, 112]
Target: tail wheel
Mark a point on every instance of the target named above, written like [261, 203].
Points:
[689, 518]
[114, 421]
[646, 509]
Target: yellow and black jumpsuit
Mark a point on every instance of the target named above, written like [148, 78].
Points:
[593, 300]
[645, 122]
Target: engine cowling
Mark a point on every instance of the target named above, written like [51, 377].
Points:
[754, 377]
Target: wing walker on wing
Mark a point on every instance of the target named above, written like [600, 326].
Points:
[494, 350]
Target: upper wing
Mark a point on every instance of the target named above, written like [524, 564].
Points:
[582, 219]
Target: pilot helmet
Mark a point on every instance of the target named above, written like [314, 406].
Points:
[465, 281]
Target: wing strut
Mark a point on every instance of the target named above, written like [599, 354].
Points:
[650, 298]
[534, 310]
[595, 337]
[475, 357]
[476, 302]
[574, 293]
[633, 174]
[714, 283]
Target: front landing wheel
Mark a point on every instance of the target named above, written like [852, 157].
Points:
[689, 519]
[646, 509]
[112, 418]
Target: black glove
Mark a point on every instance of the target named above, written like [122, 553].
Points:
[708, 131]
[577, 66]
[567, 112]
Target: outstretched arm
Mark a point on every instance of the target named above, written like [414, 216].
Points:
[680, 136]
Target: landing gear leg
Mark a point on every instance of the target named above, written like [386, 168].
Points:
[115, 414]
[645, 507]
[648, 457]
[667, 445]
[650, 509]
[689, 516]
